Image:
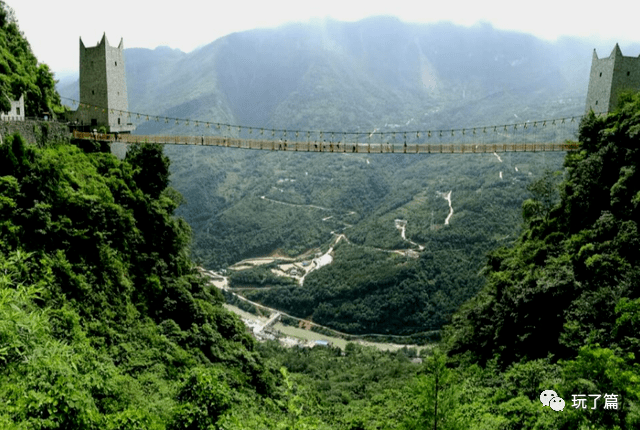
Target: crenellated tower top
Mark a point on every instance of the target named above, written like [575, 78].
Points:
[103, 87]
[609, 77]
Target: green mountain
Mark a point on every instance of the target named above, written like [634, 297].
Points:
[309, 198]
[380, 74]
[375, 73]
[102, 316]
[105, 324]
[363, 75]
[578, 259]
[567, 293]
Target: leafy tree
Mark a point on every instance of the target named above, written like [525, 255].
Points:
[5, 101]
[627, 327]
[437, 398]
[151, 168]
[14, 155]
[545, 196]
[600, 371]
[204, 397]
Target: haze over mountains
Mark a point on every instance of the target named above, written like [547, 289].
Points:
[375, 73]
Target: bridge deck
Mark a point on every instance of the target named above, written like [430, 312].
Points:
[332, 147]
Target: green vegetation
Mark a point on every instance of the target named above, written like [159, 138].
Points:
[105, 324]
[366, 289]
[567, 292]
[369, 292]
[258, 277]
[559, 311]
[20, 72]
[578, 259]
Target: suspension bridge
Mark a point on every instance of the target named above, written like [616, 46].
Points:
[331, 147]
[557, 134]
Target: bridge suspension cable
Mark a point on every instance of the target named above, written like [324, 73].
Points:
[550, 130]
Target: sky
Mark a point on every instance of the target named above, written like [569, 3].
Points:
[53, 28]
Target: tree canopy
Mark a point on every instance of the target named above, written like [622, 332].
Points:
[572, 278]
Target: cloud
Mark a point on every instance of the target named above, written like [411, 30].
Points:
[53, 28]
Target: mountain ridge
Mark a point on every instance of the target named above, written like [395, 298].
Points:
[358, 76]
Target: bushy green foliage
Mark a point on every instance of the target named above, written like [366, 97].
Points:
[103, 320]
[437, 397]
[578, 262]
[151, 168]
[360, 388]
[602, 371]
[204, 397]
[568, 288]
[20, 73]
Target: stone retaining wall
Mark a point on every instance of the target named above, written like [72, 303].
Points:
[34, 131]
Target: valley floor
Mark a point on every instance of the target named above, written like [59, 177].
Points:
[302, 337]
[288, 335]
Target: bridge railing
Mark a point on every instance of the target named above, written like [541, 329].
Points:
[93, 136]
[317, 146]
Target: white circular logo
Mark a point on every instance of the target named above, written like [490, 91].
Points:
[557, 404]
[546, 396]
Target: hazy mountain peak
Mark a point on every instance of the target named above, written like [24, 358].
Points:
[351, 75]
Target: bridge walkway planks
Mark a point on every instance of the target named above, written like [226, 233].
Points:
[332, 147]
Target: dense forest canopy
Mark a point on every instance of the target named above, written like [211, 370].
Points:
[568, 292]
[94, 300]
[577, 260]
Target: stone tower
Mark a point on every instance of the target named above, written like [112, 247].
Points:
[609, 76]
[103, 88]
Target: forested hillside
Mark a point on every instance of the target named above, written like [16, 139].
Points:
[367, 289]
[577, 260]
[569, 288]
[20, 73]
[106, 324]
[380, 74]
